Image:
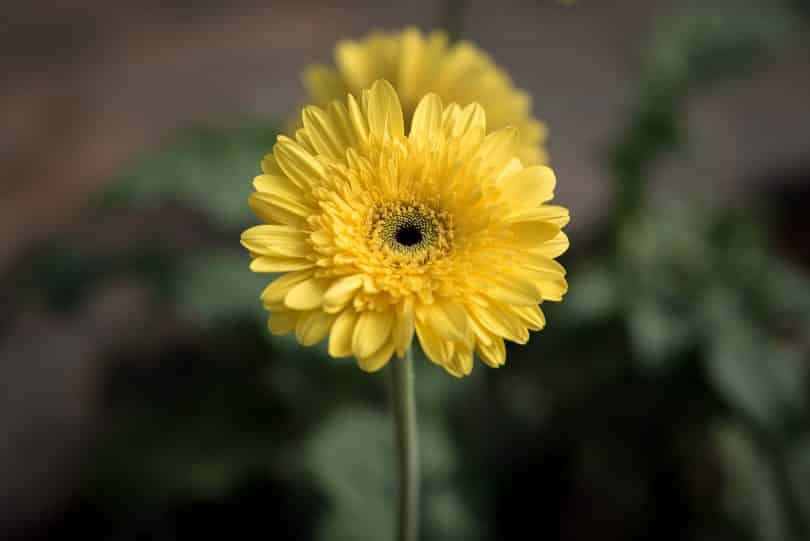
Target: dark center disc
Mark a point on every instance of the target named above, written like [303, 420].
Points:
[408, 235]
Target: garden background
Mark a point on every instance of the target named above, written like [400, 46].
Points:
[141, 396]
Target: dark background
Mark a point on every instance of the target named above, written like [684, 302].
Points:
[141, 396]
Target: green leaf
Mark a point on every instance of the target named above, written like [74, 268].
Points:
[658, 333]
[173, 438]
[594, 295]
[712, 42]
[205, 167]
[759, 376]
[786, 291]
[751, 495]
[213, 286]
[798, 467]
[761, 380]
[352, 458]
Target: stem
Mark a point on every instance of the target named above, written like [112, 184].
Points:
[407, 443]
[451, 17]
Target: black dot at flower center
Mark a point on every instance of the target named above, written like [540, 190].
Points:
[408, 235]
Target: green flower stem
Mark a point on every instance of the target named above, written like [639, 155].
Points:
[407, 443]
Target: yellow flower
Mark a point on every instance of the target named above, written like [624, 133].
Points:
[442, 232]
[416, 65]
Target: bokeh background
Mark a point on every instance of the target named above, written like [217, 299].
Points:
[142, 398]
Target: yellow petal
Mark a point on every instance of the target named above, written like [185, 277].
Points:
[277, 240]
[282, 322]
[371, 332]
[533, 234]
[274, 293]
[461, 361]
[468, 126]
[462, 61]
[538, 262]
[384, 110]
[494, 354]
[427, 119]
[481, 334]
[307, 295]
[458, 122]
[464, 361]
[358, 120]
[529, 187]
[555, 214]
[279, 249]
[279, 186]
[554, 247]
[553, 290]
[293, 206]
[302, 138]
[266, 263]
[377, 360]
[512, 167]
[270, 166]
[351, 61]
[403, 327]
[498, 149]
[324, 135]
[499, 322]
[451, 369]
[340, 338]
[298, 164]
[513, 288]
[438, 351]
[273, 232]
[448, 319]
[323, 83]
[414, 67]
[341, 292]
[275, 210]
[342, 122]
[531, 316]
[313, 326]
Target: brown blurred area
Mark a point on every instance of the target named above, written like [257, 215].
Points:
[88, 85]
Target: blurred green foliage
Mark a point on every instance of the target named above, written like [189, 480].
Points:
[351, 456]
[688, 282]
[214, 287]
[206, 167]
[683, 331]
[187, 429]
[707, 43]
[753, 496]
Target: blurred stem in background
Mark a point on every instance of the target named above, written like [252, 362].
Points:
[407, 443]
[451, 17]
[707, 44]
[703, 44]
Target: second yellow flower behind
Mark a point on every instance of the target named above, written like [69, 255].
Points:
[417, 64]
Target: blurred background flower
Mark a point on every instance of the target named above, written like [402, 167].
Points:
[417, 63]
[142, 397]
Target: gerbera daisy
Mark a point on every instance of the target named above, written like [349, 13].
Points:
[442, 231]
[417, 64]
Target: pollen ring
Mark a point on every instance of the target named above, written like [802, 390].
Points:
[413, 230]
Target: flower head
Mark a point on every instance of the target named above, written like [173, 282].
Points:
[442, 232]
[417, 64]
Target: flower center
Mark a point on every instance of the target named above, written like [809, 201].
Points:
[409, 233]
